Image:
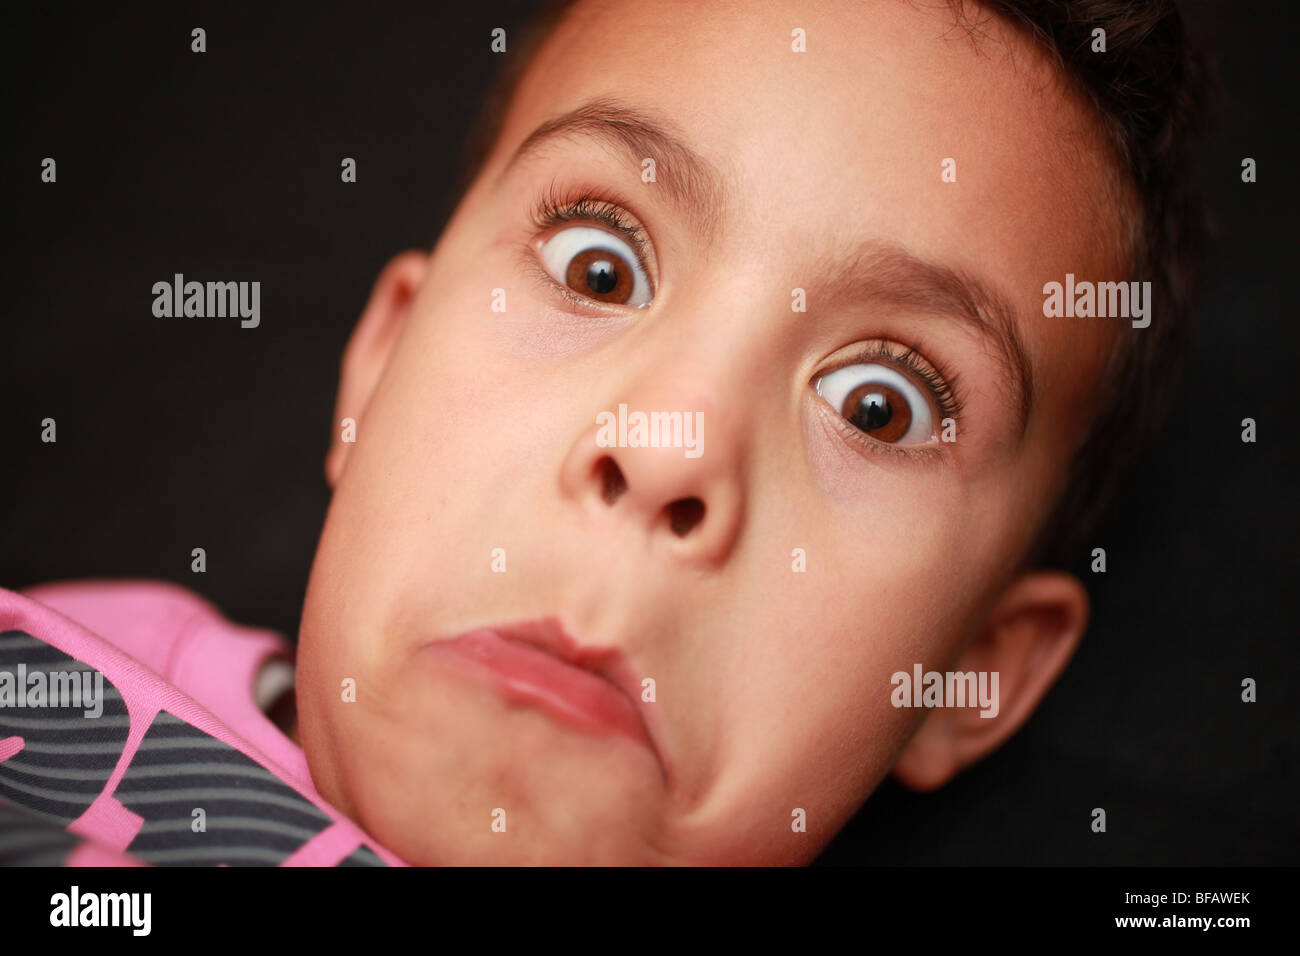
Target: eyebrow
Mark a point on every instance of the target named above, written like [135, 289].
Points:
[881, 272]
[874, 271]
[691, 182]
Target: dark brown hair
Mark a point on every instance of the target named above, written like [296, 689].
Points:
[1152, 90]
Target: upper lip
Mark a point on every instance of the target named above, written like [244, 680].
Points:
[610, 663]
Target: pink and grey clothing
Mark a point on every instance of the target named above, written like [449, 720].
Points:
[131, 733]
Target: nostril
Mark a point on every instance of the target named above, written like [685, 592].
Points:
[684, 514]
[612, 482]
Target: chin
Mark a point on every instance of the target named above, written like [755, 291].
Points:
[501, 785]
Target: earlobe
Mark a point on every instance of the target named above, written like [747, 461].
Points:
[1026, 641]
[368, 349]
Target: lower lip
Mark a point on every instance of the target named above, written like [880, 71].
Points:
[528, 675]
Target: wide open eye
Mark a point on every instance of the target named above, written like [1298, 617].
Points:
[596, 264]
[881, 402]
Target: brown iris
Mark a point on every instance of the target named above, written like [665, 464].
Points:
[878, 410]
[600, 274]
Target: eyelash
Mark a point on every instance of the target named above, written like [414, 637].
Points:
[942, 387]
[552, 210]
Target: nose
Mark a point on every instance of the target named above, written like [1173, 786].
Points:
[664, 465]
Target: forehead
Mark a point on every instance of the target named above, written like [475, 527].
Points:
[848, 140]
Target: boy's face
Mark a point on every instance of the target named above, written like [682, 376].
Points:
[821, 536]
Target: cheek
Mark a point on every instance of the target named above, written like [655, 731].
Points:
[808, 723]
[882, 579]
[892, 574]
[889, 519]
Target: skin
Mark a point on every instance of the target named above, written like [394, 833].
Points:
[476, 430]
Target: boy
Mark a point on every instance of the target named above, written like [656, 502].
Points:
[711, 467]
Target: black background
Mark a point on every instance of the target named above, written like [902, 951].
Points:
[181, 434]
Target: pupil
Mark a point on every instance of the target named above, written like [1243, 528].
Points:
[601, 276]
[874, 412]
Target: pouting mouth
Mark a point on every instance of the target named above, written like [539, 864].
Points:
[609, 664]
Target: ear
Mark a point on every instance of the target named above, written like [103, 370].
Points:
[368, 349]
[1027, 639]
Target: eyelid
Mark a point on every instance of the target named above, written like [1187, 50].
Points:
[942, 387]
[929, 453]
[556, 208]
[574, 304]
[938, 386]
